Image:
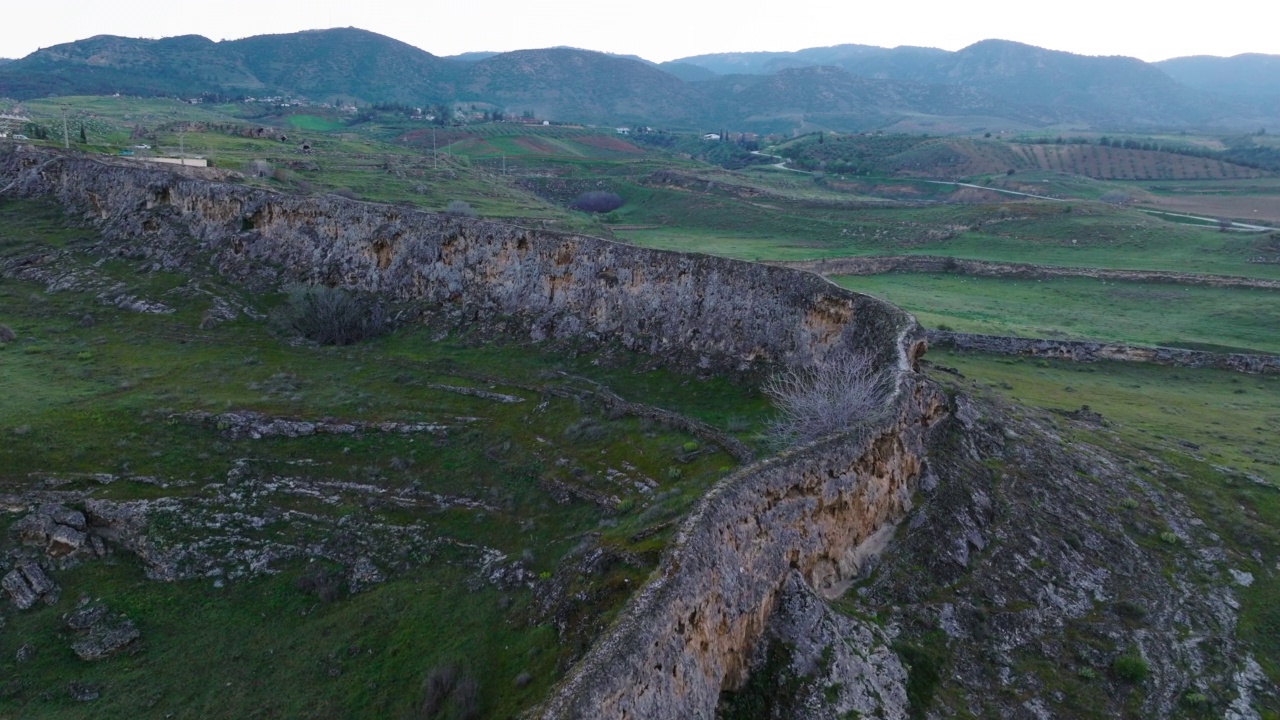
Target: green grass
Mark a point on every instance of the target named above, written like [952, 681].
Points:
[1224, 319]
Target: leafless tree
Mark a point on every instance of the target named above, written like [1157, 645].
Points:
[834, 396]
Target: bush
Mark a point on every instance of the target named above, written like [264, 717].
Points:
[597, 201]
[321, 582]
[7, 335]
[458, 208]
[443, 685]
[1130, 667]
[833, 397]
[437, 688]
[331, 316]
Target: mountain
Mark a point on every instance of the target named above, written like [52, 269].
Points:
[1050, 85]
[320, 64]
[1247, 75]
[471, 57]
[1113, 91]
[843, 87]
[687, 71]
[105, 64]
[834, 98]
[581, 85]
[766, 63]
[345, 62]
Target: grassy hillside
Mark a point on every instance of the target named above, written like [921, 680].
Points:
[271, 624]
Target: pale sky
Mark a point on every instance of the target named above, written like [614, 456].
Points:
[667, 29]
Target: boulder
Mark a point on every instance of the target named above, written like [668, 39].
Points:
[28, 583]
[64, 540]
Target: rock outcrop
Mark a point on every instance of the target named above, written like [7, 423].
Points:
[692, 632]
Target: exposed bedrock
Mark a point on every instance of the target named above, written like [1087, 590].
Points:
[692, 310]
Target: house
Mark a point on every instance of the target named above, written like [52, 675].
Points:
[711, 136]
[624, 131]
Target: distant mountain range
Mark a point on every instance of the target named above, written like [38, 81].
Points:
[845, 87]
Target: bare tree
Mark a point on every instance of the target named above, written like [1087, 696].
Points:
[838, 395]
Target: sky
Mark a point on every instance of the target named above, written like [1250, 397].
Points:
[668, 29]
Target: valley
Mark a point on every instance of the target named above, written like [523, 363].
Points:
[535, 480]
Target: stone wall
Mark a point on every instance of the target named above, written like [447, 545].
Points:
[1088, 351]
[878, 265]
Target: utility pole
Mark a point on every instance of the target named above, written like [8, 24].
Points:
[182, 147]
[66, 142]
[435, 160]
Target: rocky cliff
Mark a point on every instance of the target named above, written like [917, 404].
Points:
[691, 310]
[692, 631]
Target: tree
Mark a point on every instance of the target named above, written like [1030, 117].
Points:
[836, 396]
[597, 201]
[83, 138]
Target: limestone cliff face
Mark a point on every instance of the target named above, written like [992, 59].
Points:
[694, 310]
[692, 631]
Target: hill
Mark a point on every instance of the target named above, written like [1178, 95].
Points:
[687, 71]
[953, 158]
[832, 97]
[356, 64]
[1248, 74]
[319, 64]
[105, 64]
[580, 85]
[767, 63]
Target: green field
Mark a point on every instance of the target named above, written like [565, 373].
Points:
[1221, 319]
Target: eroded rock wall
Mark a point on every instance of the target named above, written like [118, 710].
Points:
[692, 631]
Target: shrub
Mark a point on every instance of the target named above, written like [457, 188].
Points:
[832, 397]
[331, 316]
[7, 335]
[458, 208]
[437, 688]
[347, 193]
[321, 582]
[444, 685]
[1130, 667]
[597, 201]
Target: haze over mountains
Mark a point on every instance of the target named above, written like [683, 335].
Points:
[993, 83]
